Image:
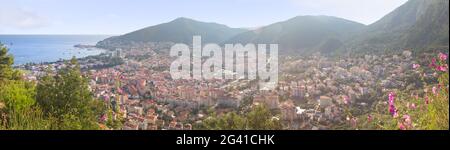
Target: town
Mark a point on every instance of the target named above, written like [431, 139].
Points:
[313, 92]
[228, 67]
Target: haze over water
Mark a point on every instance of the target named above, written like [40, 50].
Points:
[49, 48]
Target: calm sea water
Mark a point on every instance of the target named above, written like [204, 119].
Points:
[49, 48]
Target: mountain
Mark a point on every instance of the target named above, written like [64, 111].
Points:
[417, 24]
[302, 34]
[179, 30]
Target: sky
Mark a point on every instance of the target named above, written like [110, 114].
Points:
[116, 17]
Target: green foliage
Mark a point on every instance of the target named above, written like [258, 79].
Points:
[17, 104]
[114, 122]
[259, 118]
[60, 101]
[65, 95]
[229, 121]
[438, 109]
[6, 62]
[17, 95]
[28, 118]
[417, 111]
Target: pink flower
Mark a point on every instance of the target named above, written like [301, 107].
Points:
[416, 66]
[392, 110]
[391, 98]
[346, 100]
[443, 56]
[413, 106]
[406, 122]
[401, 126]
[395, 114]
[433, 63]
[427, 100]
[434, 89]
[442, 68]
[103, 118]
[407, 119]
[369, 118]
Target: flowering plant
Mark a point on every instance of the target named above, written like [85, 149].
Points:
[424, 109]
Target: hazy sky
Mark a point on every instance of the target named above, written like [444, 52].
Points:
[122, 16]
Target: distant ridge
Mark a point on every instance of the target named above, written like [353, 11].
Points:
[179, 30]
[417, 24]
[302, 34]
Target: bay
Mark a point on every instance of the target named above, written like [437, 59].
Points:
[49, 48]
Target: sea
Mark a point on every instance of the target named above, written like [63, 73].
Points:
[49, 48]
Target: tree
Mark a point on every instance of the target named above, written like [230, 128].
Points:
[6, 62]
[114, 120]
[17, 95]
[14, 93]
[61, 100]
[259, 118]
[229, 121]
[17, 104]
[65, 95]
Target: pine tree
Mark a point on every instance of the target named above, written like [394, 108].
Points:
[17, 103]
[66, 96]
[259, 118]
[6, 62]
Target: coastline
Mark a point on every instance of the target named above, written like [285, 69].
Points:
[60, 60]
[48, 49]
